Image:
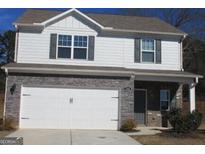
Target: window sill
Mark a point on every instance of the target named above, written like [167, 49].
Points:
[69, 59]
[145, 63]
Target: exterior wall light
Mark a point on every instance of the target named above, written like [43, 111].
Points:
[12, 89]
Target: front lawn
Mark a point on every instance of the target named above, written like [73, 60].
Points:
[166, 138]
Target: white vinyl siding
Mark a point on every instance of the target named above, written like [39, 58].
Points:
[170, 56]
[109, 51]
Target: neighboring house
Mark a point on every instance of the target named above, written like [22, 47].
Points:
[94, 71]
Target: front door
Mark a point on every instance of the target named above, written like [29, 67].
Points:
[140, 106]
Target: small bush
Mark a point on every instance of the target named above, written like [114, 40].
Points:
[184, 123]
[10, 124]
[194, 120]
[128, 125]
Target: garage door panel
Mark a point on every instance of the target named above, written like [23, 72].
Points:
[68, 108]
[96, 105]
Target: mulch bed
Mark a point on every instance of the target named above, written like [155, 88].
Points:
[168, 137]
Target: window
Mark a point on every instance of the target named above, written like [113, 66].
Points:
[164, 99]
[73, 47]
[148, 50]
[80, 47]
[64, 46]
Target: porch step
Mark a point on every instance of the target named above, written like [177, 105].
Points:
[141, 125]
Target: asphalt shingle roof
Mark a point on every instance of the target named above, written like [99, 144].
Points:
[123, 22]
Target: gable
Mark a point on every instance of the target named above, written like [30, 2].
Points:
[72, 22]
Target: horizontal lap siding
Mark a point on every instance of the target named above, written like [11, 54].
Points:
[170, 57]
[34, 48]
[109, 51]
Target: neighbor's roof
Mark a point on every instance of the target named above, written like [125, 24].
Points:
[94, 70]
[122, 22]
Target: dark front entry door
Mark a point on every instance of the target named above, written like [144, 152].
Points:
[140, 106]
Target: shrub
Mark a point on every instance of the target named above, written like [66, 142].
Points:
[9, 124]
[194, 120]
[128, 125]
[184, 123]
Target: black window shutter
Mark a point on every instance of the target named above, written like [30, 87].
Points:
[91, 48]
[158, 52]
[53, 43]
[137, 50]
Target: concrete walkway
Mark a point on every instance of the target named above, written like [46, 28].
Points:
[73, 137]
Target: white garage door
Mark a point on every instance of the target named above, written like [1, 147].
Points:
[58, 108]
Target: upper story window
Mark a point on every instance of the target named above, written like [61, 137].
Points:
[80, 47]
[73, 47]
[164, 99]
[148, 50]
[64, 46]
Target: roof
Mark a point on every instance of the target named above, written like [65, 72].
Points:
[93, 70]
[120, 22]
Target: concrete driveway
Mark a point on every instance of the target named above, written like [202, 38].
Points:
[72, 137]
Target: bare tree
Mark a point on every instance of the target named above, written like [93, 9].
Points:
[192, 21]
[183, 19]
[7, 45]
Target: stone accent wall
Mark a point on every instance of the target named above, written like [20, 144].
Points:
[124, 85]
[154, 118]
[179, 96]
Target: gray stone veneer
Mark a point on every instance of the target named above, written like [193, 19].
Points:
[124, 85]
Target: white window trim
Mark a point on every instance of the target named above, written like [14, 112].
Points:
[80, 47]
[153, 51]
[168, 90]
[63, 46]
[72, 47]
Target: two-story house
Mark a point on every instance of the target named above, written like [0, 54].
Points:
[76, 70]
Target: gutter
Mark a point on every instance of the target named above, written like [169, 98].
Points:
[65, 71]
[111, 29]
[33, 24]
[79, 71]
[28, 25]
[139, 31]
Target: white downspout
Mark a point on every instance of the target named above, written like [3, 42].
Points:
[181, 53]
[4, 112]
[16, 46]
[181, 56]
[192, 97]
